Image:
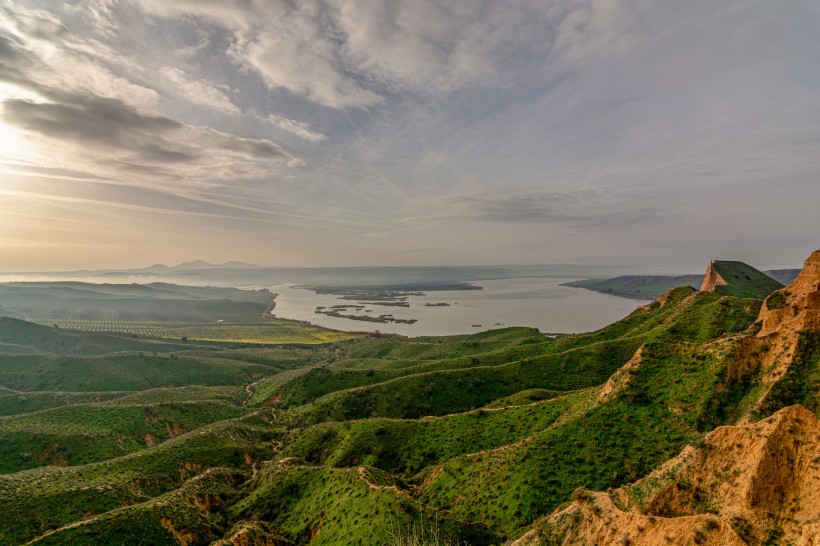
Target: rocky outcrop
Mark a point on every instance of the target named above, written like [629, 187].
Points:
[620, 379]
[711, 279]
[744, 485]
[797, 306]
[785, 315]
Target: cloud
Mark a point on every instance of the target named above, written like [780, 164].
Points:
[121, 136]
[295, 52]
[298, 128]
[58, 59]
[356, 53]
[569, 207]
[199, 91]
[106, 135]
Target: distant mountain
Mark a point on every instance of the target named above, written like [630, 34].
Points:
[201, 264]
[733, 278]
[783, 276]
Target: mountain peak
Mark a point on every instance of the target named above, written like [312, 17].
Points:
[194, 264]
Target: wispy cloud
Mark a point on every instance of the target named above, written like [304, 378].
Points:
[384, 130]
[116, 138]
[199, 91]
[298, 128]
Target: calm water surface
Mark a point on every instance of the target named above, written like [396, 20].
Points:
[539, 303]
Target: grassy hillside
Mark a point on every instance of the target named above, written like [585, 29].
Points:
[22, 337]
[743, 280]
[366, 440]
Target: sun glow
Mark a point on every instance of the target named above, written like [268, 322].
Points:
[15, 145]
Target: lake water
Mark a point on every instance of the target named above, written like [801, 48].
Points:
[540, 303]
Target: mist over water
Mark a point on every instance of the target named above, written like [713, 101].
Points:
[539, 303]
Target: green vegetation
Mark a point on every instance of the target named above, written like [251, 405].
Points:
[777, 300]
[314, 436]
[801, 384]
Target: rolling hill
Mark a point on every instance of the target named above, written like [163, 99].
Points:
[692, 420]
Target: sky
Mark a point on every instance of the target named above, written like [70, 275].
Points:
[368, 132]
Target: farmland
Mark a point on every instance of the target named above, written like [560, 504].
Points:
[161, 311]
[261, 331]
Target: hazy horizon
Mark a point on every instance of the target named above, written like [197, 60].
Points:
[610, 269]
[335, 133]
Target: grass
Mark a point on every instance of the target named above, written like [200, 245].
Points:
[41, 499]
[21, 337]
[15, 403]
[438, 386]
[189, 513]
[408, 446]
[343, 506]
[85, 433]
[801, 384]
[609, 444]
[122, 372]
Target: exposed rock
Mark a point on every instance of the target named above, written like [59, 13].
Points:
[784, 316]
[743, 486]
[797, 306]
[619, 380]
[711, 279]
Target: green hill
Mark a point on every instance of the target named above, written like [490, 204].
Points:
[731, 278]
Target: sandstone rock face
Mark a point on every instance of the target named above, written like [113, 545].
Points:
[711, 279]
[757, 476]
[785, 315]
[743, 486]
[797, 306]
